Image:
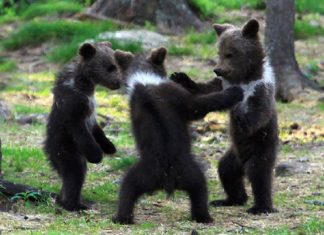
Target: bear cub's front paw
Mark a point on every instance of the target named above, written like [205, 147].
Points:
[183, 79]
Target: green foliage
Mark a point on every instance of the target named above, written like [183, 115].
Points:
[180, 50]
[51, 8]
[7, 65]
[32, 109]
[37, 32]
[120, 163]
[67, 34]
[309, 6]
[25, 196]
[210, 8]
[303, 30]
[202, 38]
[22, 157]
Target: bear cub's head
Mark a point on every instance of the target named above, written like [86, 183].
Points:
[98, 62]
[153, 63]
[240, 52]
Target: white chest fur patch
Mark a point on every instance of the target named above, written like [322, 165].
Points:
[143, 78]
[69, 83]
[267, 79]
[91, 120]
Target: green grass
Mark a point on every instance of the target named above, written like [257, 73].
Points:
[38, 31]
[303, 30]
[7, 65]
[67, 36]
[34, 109]
[212, 8]
[180, 50]
[202, 38]
[22, 158]
[121, 163]
[309, 6]
[51, 8]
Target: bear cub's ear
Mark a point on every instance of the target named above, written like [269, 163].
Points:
[87, 50]
[221, 28]
[123, 58]
[158, 55]
[250, 29]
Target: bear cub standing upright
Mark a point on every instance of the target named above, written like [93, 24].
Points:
[73, 136]
[253, 121]
[161, 111]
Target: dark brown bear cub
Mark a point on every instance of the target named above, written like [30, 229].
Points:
[73, 136]
[161, 111]
[253, 122]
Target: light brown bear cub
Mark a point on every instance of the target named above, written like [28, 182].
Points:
[253, 121]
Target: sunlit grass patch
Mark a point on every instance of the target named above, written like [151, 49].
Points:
[7, 65]
[50, 8]
[38, 31]
[121, 163]
[304, 29]
[34, 109]
[202, 38]
[309, 6]
[22, 158]
[180, 50]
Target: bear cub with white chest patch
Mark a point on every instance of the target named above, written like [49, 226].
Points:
[73, 135]
[253, 121]
[160, 112]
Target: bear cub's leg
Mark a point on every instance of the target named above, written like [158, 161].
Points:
[260, 176]
[192, 180]
[231, 174]
[137, 181]
[72, 170]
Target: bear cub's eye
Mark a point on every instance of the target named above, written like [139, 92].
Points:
[111, 68]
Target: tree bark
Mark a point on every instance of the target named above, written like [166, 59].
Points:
[170, 16]
[279, 41]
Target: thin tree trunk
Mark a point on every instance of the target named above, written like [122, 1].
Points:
[279, 41]
[168, 15]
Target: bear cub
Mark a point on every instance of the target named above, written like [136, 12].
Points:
[160, 112]
[73, 135]
[253, 121]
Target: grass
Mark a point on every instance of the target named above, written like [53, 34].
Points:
[67, 36]
[309, 6]
[176, 50]
[38, 31]
[34, 109]
[51, 8]
[202, 38]
[303, 30]
[210, 8]
[7, 65]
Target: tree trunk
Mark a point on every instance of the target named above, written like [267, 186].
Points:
[170, 16]
[279, 41]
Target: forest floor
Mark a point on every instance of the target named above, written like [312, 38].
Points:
[298, 192]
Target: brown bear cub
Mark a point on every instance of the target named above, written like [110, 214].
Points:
[73, 136]
[161, 111]
[253, 121]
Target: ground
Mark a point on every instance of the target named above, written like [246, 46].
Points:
[298, 193]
